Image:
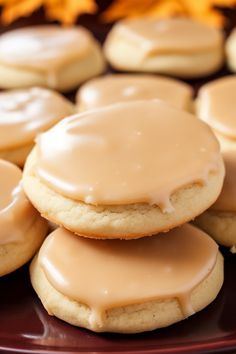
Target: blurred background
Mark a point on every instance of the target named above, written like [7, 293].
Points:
[15, 13]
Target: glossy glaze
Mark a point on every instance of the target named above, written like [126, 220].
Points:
[169, 35]
[105, 274]
[146, 146]
[25, 325]
[227, 199]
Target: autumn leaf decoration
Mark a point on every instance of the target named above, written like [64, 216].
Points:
[64, 11]
[201, 10]
[67, 11]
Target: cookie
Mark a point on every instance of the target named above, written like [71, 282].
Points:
[230, 49]
[103, 285]
[219, 220]
[125, 171]
[111, 89]
[52, 56]
[215, 105]
[175, 46]
[22, 230]
[23, 115]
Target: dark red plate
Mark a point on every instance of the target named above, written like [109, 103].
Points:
[25, 327]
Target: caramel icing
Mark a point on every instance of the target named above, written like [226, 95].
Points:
[227, 198]
[105, 274]
[217, 103]
[121, 88]
[44, 48]
[173, 35]
[134, 152]
[16, 212]
[25, 113]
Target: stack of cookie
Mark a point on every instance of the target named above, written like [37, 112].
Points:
[119, 181]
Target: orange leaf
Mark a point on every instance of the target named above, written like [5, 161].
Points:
[201, 10]
[65, 11]
[122, 8]
[166, 8]
[223, 3]
[15, 9]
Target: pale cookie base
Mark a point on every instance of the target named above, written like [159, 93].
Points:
[68, 78]
[220, 225]
[13, 255]
[230, 49]
[129, 319]
[17, 155]
[124, 55]
[225, 143]
[124, 221]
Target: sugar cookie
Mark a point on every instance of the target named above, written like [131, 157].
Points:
[103, 285]
[230, 49]
[125, 171]
[220, 220]
[22, 230]
[216, 104]
[51, 56]
[173, 46]
[111, 89]
[23, 115]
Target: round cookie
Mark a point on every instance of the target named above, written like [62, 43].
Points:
[219, 220]
[22, 230]
[23, 115]
[111, 89]
[51, 56]
[174, 46]
[103, 285]
[230, 49]
[125, 171]
[216, 104]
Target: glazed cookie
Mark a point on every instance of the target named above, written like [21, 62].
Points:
[23, 115]
[125, 171]
[111, 89]
[51, 56]
[174, 46]
[22, 230]
[231, 50]
[216, 105]
[103, 285]
[220, 220]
